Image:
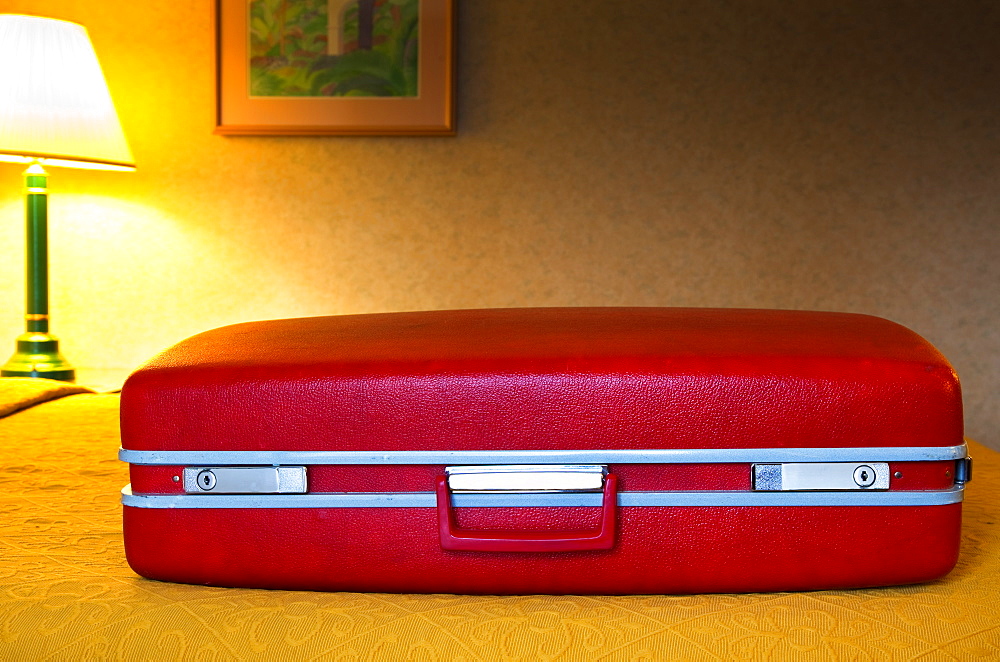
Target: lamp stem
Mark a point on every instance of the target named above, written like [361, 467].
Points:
[37, 257]
[37, 352]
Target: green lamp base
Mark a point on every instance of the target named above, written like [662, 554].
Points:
[38, 355]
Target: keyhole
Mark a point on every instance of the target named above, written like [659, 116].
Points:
[206, 479]
[864, 476]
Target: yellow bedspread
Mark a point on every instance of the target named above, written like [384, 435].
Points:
[66, 592]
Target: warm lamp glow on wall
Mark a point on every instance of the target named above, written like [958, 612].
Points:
[55, 110]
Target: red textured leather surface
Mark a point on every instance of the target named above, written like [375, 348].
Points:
[658, 550]
[547, 379]
[155, 479]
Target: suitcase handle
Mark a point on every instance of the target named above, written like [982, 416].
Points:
[486, 540]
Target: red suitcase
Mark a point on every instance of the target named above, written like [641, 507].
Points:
[607, 451]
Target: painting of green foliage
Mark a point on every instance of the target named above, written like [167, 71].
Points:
[333, 48]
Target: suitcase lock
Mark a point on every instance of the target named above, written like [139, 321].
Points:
[820, 476]
[245, 480]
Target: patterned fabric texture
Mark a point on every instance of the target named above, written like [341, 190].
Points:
[66, 592]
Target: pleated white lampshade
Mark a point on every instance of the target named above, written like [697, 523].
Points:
[54, 101]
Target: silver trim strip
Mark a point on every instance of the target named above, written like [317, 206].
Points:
[625, 499]
[611, 456]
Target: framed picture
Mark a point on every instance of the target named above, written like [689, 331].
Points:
[335, 67]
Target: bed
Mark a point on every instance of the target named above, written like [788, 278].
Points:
[68, 594]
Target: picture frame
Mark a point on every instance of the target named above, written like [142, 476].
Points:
[259, 92]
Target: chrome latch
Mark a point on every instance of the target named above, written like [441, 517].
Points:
[963, 470]
[245, 480]
[527, 478]
[820, 476]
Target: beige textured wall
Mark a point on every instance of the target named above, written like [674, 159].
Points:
[833, 154]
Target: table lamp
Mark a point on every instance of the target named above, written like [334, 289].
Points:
[55, 110]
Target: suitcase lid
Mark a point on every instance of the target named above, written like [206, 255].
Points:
[549, 378]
